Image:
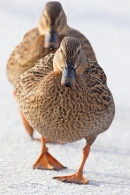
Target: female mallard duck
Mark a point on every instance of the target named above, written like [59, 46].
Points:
[65, 98]
[40, 41]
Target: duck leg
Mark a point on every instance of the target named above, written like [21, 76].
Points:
[46, 160]
[28, 128]
[78, 176]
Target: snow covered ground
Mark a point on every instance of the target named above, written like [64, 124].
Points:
[107, 26]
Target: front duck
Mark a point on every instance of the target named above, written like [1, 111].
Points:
[70, 103]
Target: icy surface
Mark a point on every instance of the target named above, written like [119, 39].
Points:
[107, 26]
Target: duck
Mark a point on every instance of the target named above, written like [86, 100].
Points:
[65, 97]
[52, 27]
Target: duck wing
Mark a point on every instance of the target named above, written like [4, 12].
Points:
[99, 99]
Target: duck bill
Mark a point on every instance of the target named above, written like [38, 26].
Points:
[51, 40]
[68, 75]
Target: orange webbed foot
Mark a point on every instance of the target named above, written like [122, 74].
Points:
[75, 178]
[78, 176]
[47, 161]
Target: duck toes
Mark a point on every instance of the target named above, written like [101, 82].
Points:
[70, 103]
[45, 38]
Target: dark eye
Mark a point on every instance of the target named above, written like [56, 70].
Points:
[61, 50]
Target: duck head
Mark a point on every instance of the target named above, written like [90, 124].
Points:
[70, 60]
[52, 24]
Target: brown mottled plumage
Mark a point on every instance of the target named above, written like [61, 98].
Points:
[66, 98]
[40, 41]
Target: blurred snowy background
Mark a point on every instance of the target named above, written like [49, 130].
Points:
[107, 26]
